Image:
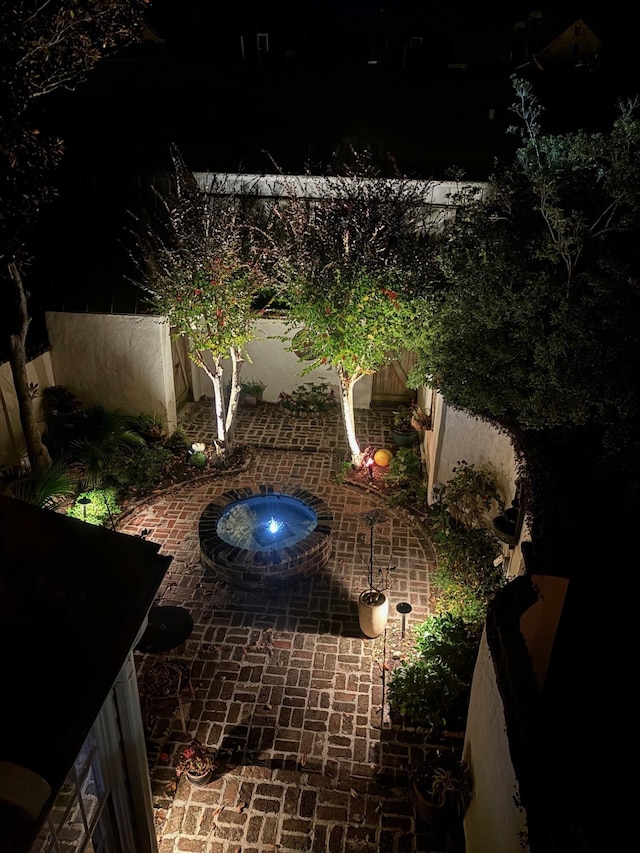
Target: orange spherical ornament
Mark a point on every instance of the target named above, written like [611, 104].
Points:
[382, 457]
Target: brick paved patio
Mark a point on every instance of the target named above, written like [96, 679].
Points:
[286, 686]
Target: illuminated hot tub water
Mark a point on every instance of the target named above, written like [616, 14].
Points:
[265, 539]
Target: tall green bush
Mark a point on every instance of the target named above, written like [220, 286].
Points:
[465, 579]
[431, 688]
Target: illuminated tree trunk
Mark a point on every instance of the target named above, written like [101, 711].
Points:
[236, 361]
[221, 442]
[39, 458]
[348, 414]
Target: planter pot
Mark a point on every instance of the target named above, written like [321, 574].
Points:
[373, 617]
[199, 779]
[505, 526]
[421, 426]
[153, 434]
[434, 816]
[405, 439]
[248, 399]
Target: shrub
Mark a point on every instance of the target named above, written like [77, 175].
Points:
[102, 506]
[140, 471]
[59, 400]
[252, 386]
[405, 475]
[431, 688]
[45, 489]
[309, 397]
[150, 426]
[94, 437]
[470, 493]
[466, 579]
[178, 442]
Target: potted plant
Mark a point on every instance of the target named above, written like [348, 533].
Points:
[150, 427]
[442, 788]
[197, 762]
[403, 432]
[420, 419]
[251, 391]
[373, 603]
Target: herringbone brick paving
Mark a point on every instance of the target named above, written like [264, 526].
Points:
[286, 687]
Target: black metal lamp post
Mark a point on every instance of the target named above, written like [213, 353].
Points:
[404, 608]
[84, 502]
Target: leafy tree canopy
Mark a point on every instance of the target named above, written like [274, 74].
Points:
[531, 320]
[352, 262]
[199, 265]
[46, 47]
[532, 323]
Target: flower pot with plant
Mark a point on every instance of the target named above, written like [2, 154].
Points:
[403, 433]
[442, 788]
[420, 419]
[251, 391]
[150, 427]
[373, 603]
[197, 762]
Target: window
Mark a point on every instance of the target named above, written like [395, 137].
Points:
[78, 820]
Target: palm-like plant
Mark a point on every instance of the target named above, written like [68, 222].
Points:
[43, 489]
[99, 436]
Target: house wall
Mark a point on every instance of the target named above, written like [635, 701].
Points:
[278, 368]
[119, 360]
[494, 822]
[12, 445]
[455, 437]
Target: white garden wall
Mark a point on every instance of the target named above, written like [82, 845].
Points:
[456, 437]
[278, 368]
[119, 360]
[493, 821]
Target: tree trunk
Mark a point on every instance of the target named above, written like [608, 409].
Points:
[39, 458]
[348, 416]
[219, 404]
[234, 397]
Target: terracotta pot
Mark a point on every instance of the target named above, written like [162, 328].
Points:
[153, 434]
[373, 617]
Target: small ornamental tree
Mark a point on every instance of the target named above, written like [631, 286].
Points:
[199, 264]
[351, 257]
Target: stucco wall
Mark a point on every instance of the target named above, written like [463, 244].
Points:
[455, 437]
[12, 444]
[119, 360]
[493, 823]
[278, 368]
[479, 443]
